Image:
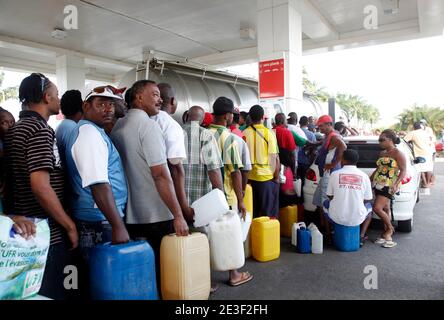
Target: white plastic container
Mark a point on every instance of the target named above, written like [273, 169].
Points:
[226, 243]
[294, 232]
[185, 267]
[317, 241]
[298, 187]
[245, 225]
[209, 208]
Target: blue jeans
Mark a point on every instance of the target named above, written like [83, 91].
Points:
[92, 234]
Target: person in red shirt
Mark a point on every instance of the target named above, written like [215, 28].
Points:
[285, 141]
[234, 128]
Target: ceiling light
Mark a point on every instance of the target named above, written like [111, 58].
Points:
[58, 34]
[390, 7]
[247, 34]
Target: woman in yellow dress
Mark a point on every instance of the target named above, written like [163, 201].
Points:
[386, 180]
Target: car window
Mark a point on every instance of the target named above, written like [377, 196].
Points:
[368, 153]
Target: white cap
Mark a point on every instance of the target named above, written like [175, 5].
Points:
[106, 91]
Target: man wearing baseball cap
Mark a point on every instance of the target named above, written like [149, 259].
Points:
[328, 160]
[223, 111]
[96, 174]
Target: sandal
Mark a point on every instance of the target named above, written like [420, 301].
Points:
[214, 288]
[389, 244]
[246, 277]
[380, 241]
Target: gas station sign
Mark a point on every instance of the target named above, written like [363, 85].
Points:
[271, 79]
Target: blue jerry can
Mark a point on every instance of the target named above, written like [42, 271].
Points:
[346, 238]
[304, 241]
[123, 272]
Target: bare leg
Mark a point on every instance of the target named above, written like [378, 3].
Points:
[380, 207]
[429, 178]
[365, 225]
[423, 180]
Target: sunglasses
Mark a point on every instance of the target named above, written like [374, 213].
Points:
[114, 90]
[382, 139]
[43, 81]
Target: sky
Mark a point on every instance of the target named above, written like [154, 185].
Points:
[392, 76]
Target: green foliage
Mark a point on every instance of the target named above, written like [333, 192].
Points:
[7, 93]
[356, 107]
[313, 90]
[433, 115]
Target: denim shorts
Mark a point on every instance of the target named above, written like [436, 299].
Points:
[320, 195]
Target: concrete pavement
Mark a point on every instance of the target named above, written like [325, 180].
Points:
[412, 270]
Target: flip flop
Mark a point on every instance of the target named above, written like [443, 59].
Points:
[242, 281]
[214, 288]
[389, 244]
[380, 241]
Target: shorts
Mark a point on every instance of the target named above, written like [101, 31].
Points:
[385, 192]
[265, 198]
[326, 206]
[427, 166]
[320, 195]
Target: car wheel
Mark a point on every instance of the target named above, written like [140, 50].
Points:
[405, 226]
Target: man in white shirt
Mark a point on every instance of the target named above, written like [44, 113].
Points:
[350, 192]
[432, 142]
[421, 148]
[175, 148]
[292, 124]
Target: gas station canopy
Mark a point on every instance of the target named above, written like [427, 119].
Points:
[114, 35]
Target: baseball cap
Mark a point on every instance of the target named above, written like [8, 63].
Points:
[208, 119]
[324, 119]
[223, 105]
[423, 121]
[107, 92]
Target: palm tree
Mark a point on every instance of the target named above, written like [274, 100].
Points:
[313, 90]
[433, 115]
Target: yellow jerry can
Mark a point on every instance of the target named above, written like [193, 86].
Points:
[248, 198]
[265, 239]
[287, 217]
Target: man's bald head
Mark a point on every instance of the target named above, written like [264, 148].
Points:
[196, 113]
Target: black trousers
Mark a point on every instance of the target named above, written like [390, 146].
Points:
[59, 256]
[153, 233]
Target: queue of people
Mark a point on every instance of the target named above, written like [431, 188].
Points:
[119, 167]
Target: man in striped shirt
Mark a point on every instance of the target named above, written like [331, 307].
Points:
[37, 179]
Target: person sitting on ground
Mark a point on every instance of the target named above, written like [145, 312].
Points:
[349, 188]
[386, 181]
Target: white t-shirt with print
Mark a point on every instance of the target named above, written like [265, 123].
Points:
[349, 187]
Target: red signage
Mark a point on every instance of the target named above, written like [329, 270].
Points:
[271, 79]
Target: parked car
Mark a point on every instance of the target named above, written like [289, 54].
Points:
[369, 150]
